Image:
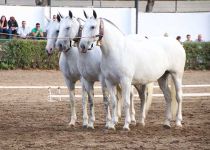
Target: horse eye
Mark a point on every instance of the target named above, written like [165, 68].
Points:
[67, 28]
[57, 31]
[92, 27]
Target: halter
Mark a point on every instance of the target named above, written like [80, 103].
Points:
[101, 32]
[79, 34]
[100, 35]
[76, 40]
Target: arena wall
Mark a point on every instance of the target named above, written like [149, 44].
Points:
[150, 24]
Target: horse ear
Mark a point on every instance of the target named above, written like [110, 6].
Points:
[58, 18]
[85, 14]
[94, 14]
[60, 15]
[70, 14]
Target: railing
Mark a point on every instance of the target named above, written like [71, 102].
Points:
[160, 5]
[52, 97]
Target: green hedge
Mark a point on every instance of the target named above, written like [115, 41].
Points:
[198, 55]
[26, 54]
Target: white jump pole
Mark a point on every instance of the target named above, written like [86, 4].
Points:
[60, 96]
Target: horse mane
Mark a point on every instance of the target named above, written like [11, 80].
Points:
[80, 19]
[113, 24]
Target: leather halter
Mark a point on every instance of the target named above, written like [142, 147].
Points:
[101, 32]
[79, 34]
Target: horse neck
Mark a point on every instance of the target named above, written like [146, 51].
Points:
[112, 41]
[72, 53]
[76, 24]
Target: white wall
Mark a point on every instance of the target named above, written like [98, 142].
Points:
[122, 17]
[150, 24]
[155, 24]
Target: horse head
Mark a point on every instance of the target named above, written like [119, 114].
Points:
[52, 33]
[68, 30]
[91, 33]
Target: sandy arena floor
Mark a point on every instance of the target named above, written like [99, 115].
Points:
[29, 121]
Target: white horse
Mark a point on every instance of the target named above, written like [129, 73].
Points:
[52, 30]
[67, 64]
[126, 62]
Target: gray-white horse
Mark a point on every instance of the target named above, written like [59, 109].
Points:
[126, 61]
[67, 64]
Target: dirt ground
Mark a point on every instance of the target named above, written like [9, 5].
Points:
[29, 121]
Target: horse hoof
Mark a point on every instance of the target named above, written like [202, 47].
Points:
[126, 128]
[91, 127]
[179, 124]
[167, 126]
[71, 125]
[133, 122]
[84, 126]
[111, 127]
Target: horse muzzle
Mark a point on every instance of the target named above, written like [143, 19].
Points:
[49, 51]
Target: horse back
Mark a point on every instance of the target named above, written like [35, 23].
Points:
[152, 57]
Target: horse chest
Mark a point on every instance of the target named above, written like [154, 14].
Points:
[89, 72]
[111, 73]
[89, 65]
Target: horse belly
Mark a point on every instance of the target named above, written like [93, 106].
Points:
[148, 72]
[142, 78]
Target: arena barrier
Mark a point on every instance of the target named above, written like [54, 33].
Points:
[59, 97]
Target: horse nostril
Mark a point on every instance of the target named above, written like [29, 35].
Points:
[82, 46]
[60, 45]
[48, 53]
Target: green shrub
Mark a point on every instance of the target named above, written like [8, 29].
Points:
[26, 54]
[198, 55]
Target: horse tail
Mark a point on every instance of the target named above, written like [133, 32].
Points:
[174, 105]
[119, 100]
[148, 99]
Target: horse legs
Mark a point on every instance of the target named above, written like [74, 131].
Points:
[71, 88]
[90, 91]
[111, 89]
[119, 103]
[126, 89]
[163, 83]
[84, 105]
[106, 103]
[132, 107]
[178, 85]
[119, 100]
[141, 91]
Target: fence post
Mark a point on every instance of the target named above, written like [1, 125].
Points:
[137, 14]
